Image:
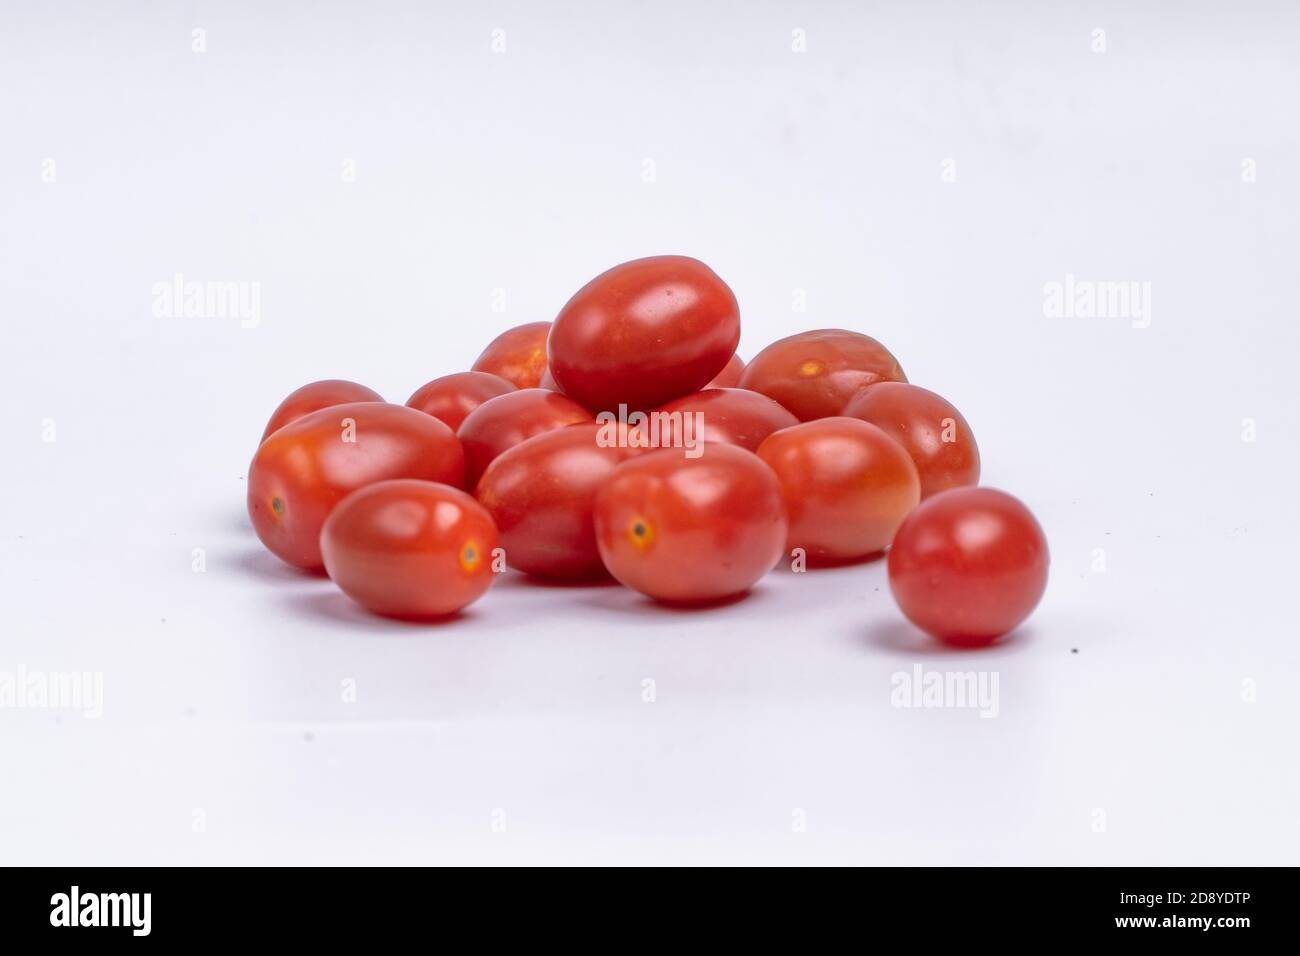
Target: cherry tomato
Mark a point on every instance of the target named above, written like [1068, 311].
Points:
[410, 549]
[450, 398]
[518, 355]
[927, 425]
[541, 494]
[735, 416]
[690, 530]
[729, 377]
[505, 421]
[814, 374]
[847, 486]
[317, 395]
[548, 381]
[643, 333]
[307, 467]
[968, 565]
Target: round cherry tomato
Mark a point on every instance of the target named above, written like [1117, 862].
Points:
[317, 395]
[847, 485]
[541, 494]
[410, 549]
[690, 530]
[729, 377]
[505, 421]
[735, 416]
[643, 333]
[814, 374]
[307, 467]
[928, 427]
[968, 565]
[518, 355]
[450, 398]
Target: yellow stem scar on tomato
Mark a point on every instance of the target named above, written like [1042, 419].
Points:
[277, 506]
[471, 556]
[811, 368]
[641, 533]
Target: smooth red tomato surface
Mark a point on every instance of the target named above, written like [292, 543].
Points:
[691, 530]
[735, 416]
[318, 395]
[410, 549]
[644, 333]
[928, 426]
[450, 398]
[814, 374]
[307, 467]
[505, 421]
[729, 377]
[968, 565]
[847, 486]
[542, 494]
[518, 355]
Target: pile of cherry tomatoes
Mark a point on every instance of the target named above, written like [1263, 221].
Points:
[566, 452]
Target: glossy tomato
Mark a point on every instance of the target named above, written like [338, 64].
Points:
[505, 421]
[729, 377]
[735, 416]
[541, 494]
[847, 486]
[318, 395]
[691, 530]
[518, 355]
[307, 467]
[927, 425]
[644, 333]
[814, 374]
[450, 398]
[410, 549]
[968, 565]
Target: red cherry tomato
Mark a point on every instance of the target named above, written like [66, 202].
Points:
[690, 530]
[968, 565]
[450, 398]
[317, 395]
[814, 374]
[729, 377]
[307, 467]
[928, 427]
[505, 421]
[643, 333]
[847, 485]
[548, 381]
[410, 549]
[541, 494]
[735, 416]
[518, 355]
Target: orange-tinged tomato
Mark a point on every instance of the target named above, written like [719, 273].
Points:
[735, 416]
[452, 397]
[518, 355]
[505, 421]
[815, 374]
[318, 395]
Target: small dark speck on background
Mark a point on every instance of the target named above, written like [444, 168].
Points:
[164, 620]
[1074, 650]
[308, 736]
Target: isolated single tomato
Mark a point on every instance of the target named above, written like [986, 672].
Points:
[518, 355]
[505, 421]
[968, 565]
[450, 398]
[317, 395]
[847, 486]
[735, 416]
[927, 425]
[729, 377]
[690, 530]
[814, 374]
[307, 467]
[643, 333]
[410, 549]
[541, 494]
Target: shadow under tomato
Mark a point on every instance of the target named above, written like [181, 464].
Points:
[515, 580]
[826, 564]
[335, 607]
[904, 639]
[262, 564]
[626, 601]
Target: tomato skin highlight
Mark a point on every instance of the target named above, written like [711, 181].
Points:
[691, 530]
[643, 333]
[847, 486]
[729, 377]
[734, 416]
[815, 374]
[505, 421]
[315, 396]
[918, 419]
[542, 493]
[307, 467]
[518, 355]
[410, 549]
[452, 397]
[969, 565]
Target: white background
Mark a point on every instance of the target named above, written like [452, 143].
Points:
[1125, 733]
